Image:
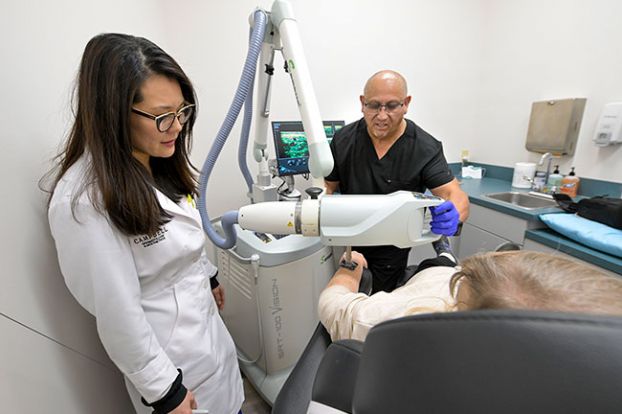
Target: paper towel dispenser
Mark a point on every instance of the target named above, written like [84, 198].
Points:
[554, 126]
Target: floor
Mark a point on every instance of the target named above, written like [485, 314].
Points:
[253, 403]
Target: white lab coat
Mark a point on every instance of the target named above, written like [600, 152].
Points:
[151, 298]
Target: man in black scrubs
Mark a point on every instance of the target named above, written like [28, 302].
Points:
[383, 152]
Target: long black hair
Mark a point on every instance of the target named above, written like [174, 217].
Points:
[112, 71]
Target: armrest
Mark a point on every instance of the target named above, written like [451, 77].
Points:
[295, 395]
[336, 376]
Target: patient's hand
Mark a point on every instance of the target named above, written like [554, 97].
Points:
[357, 258]
[350, 278]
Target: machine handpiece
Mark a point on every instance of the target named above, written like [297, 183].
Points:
[347, 262]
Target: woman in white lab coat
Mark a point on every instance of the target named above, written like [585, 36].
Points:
[129, 237]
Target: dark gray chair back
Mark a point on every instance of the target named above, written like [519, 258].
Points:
[485, 362]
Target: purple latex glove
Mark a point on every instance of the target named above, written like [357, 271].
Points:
[445, 219]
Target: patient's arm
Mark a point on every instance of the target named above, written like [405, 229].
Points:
[348, 314]
[350, 278]
[339, 298]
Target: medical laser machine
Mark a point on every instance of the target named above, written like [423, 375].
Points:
[274, 257]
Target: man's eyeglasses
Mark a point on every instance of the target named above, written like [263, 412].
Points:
[165, 121]
[389, 107]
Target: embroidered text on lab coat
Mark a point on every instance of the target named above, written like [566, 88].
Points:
[151, 239]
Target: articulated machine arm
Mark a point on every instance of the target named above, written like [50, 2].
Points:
[281, 34]
[344, 220]
[320, 157]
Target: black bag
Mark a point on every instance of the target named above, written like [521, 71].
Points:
[604, 210]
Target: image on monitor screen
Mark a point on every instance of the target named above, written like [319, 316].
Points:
[290, 143]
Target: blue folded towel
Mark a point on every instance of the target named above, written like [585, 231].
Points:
[590, 233]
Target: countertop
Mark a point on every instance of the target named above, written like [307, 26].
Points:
[476, 190]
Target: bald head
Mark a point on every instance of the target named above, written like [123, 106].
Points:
[384, 104]
[386, 79]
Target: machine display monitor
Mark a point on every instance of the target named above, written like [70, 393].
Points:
[290, 143]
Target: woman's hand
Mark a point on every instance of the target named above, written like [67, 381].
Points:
[187, 405]
[219, 296]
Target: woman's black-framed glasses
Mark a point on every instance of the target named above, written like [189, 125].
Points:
[165, 121]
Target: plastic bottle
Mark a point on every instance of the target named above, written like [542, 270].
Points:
[555, 179]
[464, 157]
[539, 180]
[570, 184]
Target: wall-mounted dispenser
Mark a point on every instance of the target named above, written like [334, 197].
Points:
[554, 126]
[609, 127]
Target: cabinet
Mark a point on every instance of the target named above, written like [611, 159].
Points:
[475, 240]
[487, 229]
[539, 247]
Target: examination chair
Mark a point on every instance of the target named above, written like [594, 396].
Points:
[502, 361]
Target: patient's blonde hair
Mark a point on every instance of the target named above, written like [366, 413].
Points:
[532, 280]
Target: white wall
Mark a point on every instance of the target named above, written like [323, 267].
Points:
[50, 355]
[473, 66]
[538, 50]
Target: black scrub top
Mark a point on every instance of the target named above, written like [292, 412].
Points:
[414, 162]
